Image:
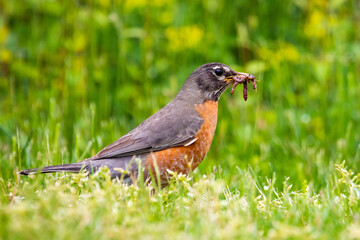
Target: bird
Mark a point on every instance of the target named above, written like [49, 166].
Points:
[174, 139]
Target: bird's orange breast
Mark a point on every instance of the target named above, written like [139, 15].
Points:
[184, 159]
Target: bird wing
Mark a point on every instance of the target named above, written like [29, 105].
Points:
[169, 127]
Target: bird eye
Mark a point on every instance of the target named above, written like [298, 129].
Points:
[219, 72]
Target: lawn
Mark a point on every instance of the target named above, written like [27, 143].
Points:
[77, 75]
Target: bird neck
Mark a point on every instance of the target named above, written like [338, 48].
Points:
[190, 96]
[190, 93]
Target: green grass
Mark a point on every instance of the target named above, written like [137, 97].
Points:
[75, 206]
[77, 75]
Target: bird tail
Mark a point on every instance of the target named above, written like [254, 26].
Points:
[72, 167]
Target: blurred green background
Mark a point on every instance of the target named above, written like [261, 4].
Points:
[77, 75]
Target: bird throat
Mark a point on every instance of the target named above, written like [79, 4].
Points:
[215, 95]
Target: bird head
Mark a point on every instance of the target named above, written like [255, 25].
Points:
[210, 80]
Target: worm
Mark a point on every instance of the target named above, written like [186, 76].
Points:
[243, 80]
[245, 91]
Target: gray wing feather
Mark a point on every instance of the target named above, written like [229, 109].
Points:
[174, 125]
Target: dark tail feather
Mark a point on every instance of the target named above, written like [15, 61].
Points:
[72, 167]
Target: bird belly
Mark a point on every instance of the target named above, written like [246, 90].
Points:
[185, 159]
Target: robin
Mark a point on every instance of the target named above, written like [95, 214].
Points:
[175, 138]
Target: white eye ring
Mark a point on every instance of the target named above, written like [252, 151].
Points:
[221, 76]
